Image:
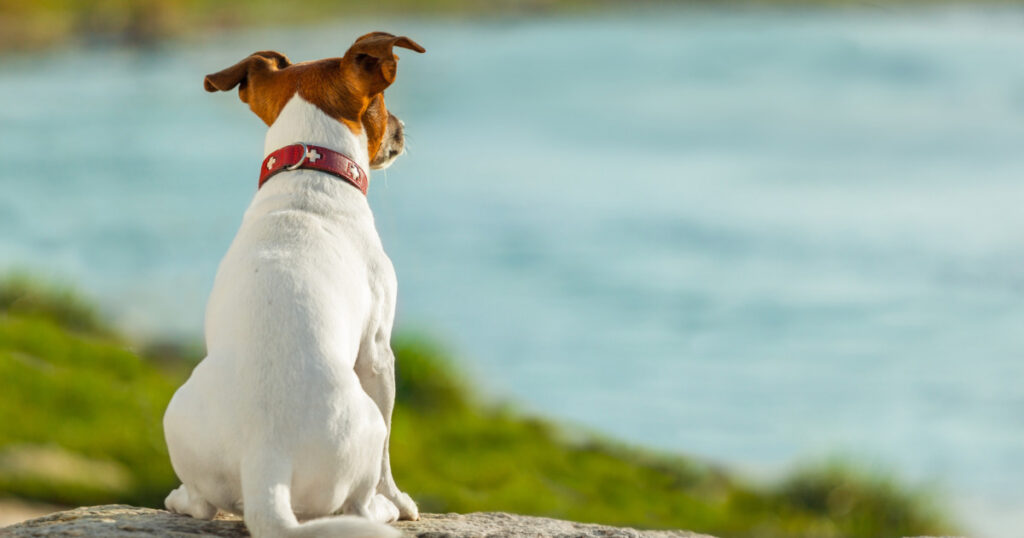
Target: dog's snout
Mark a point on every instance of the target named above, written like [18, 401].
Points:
[393, 143]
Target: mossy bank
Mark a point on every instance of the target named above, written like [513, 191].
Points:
[80, 424]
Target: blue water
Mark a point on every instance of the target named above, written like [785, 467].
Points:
[758, 237]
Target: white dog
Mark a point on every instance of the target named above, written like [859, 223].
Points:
[288, 416]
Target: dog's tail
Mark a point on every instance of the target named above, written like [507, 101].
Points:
[266, 492]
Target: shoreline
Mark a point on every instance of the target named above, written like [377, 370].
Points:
[64, 23]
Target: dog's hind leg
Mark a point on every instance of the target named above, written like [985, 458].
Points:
[266, 491]
[185, 501]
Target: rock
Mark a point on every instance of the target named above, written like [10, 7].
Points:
[118, 521]
[494, 524]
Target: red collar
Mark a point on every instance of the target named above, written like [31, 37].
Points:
[313, 157]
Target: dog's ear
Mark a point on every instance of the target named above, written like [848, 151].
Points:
[238, 75]
[371, 59]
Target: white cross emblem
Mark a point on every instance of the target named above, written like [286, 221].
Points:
[312, 156]
[354, 170]
[270, 163]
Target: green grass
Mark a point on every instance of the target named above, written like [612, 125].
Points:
[69, 383]
[27, 25]
[33, 24]
[80, 424]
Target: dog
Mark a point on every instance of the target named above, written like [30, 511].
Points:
[288, 417]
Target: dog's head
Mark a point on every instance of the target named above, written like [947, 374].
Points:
[349, 89]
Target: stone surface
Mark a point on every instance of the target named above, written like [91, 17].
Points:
[117, 521]
[495, 524]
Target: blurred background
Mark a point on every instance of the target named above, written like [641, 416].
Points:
[768, 254]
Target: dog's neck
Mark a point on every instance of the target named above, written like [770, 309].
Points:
[302, 122]
[314, 191]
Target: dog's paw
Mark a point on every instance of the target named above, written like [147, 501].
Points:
[177, 500]
[382, 509]
[406, 507]
[180, 501]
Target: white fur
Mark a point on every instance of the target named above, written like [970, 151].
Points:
[288, 416]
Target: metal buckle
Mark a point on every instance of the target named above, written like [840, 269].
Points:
[305, 151]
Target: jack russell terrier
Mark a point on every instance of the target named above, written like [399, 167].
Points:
[288, 416]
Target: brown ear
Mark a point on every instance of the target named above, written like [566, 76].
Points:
[238, 74]
[374, 61]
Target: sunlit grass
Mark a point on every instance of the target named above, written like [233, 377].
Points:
[29, 25]
[40, 23]
[80, 417]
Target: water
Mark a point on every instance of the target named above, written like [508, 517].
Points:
[758, 237]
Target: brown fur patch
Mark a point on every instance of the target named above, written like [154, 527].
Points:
[348, 89]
